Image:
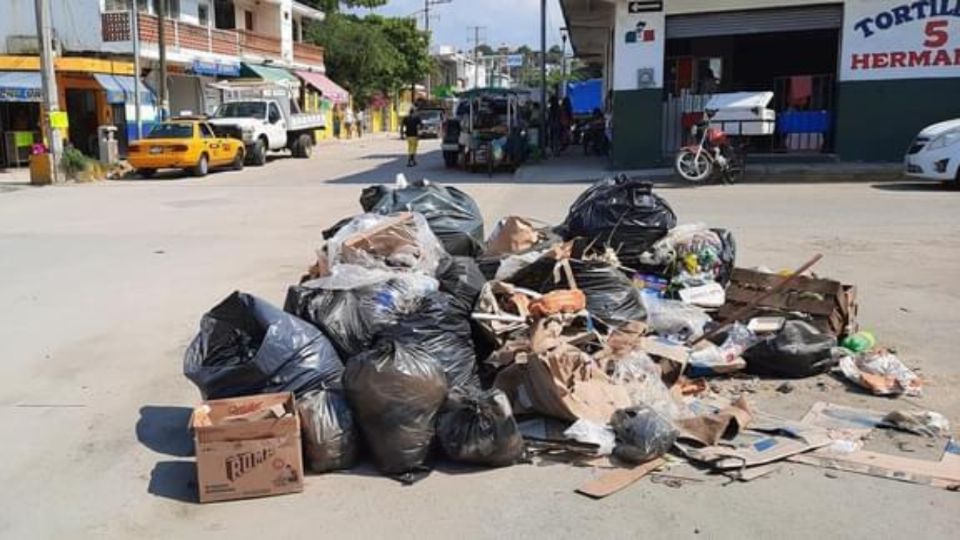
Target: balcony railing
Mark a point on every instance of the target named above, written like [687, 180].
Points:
[305, 53]
[116, 28]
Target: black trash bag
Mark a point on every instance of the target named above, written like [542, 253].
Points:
[330, 438]
[611, 296]
[479, 428]
[395, 391]
[460, 277]
[797, 351]
[452, 214]
[247, 346]
[351, 318]
[444, 333]
[620, 213]
[642, 434]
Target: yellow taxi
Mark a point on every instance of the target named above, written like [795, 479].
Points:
[184, 143]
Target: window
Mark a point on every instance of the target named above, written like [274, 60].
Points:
[116, 5]
[172, 131]
[203, 14]
[172, 11]
[242, 110]
[248, 20]
[225, 14]
[274, 113]
[297, 36]
[206, 132]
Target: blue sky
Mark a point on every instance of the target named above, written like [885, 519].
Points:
[510, 22]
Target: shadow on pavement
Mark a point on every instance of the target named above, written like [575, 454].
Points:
[164, 429]
[175, 480]
[915, 186]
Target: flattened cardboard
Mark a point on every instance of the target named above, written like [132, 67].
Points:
[708, 429]
[248, 447]
[942, 474]
[848, 423]
[618, 479]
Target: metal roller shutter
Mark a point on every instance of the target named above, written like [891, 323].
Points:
[754, 22]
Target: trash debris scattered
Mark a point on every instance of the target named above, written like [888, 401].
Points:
[617, 341]
[881, 372]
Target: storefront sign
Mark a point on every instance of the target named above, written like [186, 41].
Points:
[59, 120]
[215, 69]
[639, 46]
[899, 39]
[20, 94]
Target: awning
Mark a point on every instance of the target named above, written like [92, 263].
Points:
[120, 88]
[20, 86]
[215, 69]
[268, 73]
[330, 90]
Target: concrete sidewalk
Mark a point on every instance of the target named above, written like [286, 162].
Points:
[574, 169]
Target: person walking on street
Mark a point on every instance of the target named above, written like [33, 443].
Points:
[411, 128]
[348, 121]
[361, 117]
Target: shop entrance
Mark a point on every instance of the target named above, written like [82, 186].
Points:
[19, 130]
[795, 57]
[82, 110]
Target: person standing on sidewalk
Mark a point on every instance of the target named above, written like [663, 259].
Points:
[411, 128]
[348, 121]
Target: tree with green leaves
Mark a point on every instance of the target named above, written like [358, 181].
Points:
[372, 54]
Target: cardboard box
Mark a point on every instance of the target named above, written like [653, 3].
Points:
[248, 447]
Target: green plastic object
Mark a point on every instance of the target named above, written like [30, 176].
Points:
[859, 342]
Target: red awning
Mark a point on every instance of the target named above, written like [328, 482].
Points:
[328, 88]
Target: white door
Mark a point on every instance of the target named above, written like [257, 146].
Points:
[276, 127]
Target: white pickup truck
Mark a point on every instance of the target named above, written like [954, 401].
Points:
[266, 125]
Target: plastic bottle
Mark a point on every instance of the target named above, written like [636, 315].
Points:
[859, 342]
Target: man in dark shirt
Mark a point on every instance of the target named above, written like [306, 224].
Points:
[411, 128]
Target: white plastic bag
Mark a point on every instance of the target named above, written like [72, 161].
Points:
[674, 319]
[413, 246]
[588, 432]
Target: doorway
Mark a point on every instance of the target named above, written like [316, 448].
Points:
[82, 110]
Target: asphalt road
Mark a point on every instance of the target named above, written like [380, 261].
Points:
[102, 287]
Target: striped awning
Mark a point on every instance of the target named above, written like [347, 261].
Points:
[330, 90]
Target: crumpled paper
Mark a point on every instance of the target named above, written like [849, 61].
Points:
[882, 373]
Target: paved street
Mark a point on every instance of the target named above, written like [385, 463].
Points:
[103, 285]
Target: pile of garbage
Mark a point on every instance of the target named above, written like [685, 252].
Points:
[413, 337]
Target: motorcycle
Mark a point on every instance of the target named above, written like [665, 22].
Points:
[714, 157]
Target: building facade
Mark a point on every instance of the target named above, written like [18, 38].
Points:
[853, 80]
[206, 41]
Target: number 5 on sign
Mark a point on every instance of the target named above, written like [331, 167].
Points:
[936, 32]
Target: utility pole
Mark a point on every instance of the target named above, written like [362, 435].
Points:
[162, 46]
[426, 25]
[563, 63]
[135, 37]
[543, 77]
[476, 54]
[50, 94]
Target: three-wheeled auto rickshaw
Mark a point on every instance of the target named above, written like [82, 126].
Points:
[488, 131]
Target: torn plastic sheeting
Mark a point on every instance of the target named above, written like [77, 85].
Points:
[881, 372]
[709, 359]
[674, 319]
[478, 427]
[330, 438]
[453, 215]
[397, 241]
[589, 432]
[247, 346]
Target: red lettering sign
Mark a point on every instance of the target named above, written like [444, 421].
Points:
[936, 32]
[898, 59]
[861, 61]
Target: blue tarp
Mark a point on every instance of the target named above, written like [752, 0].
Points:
[120, 88]
[20, 86]
[585, 96]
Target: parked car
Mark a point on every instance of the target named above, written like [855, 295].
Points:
[267, 125]
[185, 143]
[432, 126]
[935, 153]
